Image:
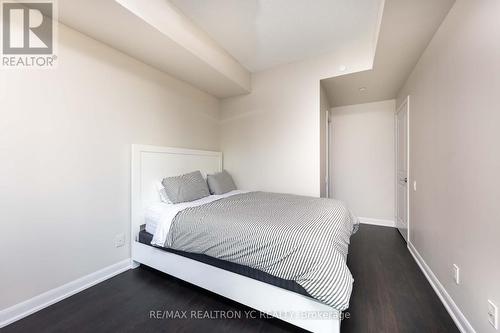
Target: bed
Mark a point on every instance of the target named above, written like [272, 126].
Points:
[267, 268]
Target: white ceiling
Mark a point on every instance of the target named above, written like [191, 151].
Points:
[406, 29]
[205, 43]
[264, 33]
[156, 33]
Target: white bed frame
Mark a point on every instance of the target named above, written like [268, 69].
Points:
[150, 164]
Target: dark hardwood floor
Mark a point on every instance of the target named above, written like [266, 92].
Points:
[390, 295]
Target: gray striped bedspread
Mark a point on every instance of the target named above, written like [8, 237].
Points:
[292, 237]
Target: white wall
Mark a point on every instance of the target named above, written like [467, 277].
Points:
[454, 156]
[362, 155]
[271, 137]
[65, 138]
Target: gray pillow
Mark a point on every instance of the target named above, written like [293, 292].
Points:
[188, 187]
[220, 183]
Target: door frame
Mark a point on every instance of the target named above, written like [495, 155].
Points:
[327, 154]
[330, 160]
[396, 176]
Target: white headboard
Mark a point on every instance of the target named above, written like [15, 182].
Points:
[150, 164]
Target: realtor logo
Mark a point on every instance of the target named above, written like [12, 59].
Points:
[28, 34]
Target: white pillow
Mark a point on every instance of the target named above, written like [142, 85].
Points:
[162, 193]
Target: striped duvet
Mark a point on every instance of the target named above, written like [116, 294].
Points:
[292, 237]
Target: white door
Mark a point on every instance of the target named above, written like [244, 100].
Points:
[402, 169]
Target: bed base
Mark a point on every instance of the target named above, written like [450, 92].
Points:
[296, 309]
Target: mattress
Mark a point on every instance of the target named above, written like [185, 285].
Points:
[153, 214]
[159, 212]
[292, 237]
[145, 238]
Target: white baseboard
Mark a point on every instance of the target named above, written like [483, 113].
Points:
[380, 222]
[37, 303]
[458, 317]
